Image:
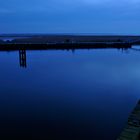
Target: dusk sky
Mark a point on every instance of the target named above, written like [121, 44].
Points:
[70, 16]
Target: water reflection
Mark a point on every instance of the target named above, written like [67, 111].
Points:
[87, 95]
[22, 58]
[23, 55]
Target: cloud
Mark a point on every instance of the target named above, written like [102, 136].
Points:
[63, 5]
[110, 1]
[96, 1]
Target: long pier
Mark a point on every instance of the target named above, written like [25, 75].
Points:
[45, 46]
[34, 42]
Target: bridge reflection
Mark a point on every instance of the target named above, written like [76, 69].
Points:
[22, 58]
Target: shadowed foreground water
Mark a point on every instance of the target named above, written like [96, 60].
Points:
[65, 95]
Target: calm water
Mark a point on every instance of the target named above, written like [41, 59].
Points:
[65, 95]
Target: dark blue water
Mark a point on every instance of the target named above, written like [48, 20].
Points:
[65, 95]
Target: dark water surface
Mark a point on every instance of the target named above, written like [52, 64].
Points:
[65, 95]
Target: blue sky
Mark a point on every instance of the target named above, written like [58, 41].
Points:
[67, 16]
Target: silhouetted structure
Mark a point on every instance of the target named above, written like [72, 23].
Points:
[37, 42]
[132, 129]
[22, 58]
